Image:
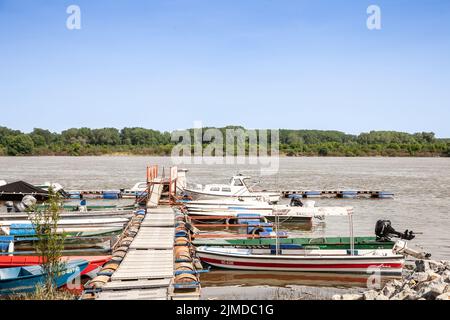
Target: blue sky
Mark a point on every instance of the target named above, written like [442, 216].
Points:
[257, 63]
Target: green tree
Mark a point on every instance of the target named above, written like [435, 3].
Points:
[323, 152]
[42, 137]
[19, 145]
[105, 136]
[50, 244]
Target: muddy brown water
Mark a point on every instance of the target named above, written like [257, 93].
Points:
[421, 203]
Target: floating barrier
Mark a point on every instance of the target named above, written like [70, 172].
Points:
[384, 195]
[338, 194]
[111, 195]
[312, 194]
[348, 194]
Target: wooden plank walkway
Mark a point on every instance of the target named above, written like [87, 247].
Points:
[135, 294]
[131, 284]
[145, 264]
[147, 269]
[155, 194]
[154, 238]
[158, 220]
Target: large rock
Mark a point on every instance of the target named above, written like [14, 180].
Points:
[407, 294]
[397, 283]
[446, 276]
[437, 266]
[370, 295]
[432, 289]
[422, 266]
[420, 277]
[388, 291]
[426, 265]
[446, 264]
[381, 297]
[352, 297]
[444, 296]
[336, 297]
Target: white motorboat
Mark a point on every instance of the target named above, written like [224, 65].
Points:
[237, 188]
[295, 211]
[138, 190]
[19, 227]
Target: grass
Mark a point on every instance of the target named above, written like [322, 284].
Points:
[42, 294]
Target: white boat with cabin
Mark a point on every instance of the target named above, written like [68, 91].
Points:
[237, 188]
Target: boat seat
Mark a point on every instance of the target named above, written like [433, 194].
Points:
[317, 241]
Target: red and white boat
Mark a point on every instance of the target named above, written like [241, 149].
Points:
[95, 262]
[300, 259]
[385, 262]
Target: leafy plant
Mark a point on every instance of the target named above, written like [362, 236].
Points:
[50, 242]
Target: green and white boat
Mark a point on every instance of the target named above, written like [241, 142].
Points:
[323, 243]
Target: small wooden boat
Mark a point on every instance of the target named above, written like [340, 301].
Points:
[68, 226]
[298, 258]
[26, 279]
[94, 262]
[334, 261]
[72, 215]
[138, 190]
[75, 207]
[286, 213]
[304, 215]
[70, 243]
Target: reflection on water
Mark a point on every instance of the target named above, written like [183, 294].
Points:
[218, 277]
[229, 284]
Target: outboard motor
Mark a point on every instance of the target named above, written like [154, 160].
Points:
[9, 206]
[83, 206]
[296, 201]
[384, 231]
[27, 202]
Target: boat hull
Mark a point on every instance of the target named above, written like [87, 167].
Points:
[268, 215]
[319, 243]
[10, 284]
[73, 215]
[196, 194]
[386, 265]
[94, 262]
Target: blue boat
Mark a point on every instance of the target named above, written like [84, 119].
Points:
[26, 279]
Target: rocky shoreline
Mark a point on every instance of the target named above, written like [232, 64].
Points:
[428, 280]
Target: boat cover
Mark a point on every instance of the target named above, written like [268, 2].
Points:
[16, 190]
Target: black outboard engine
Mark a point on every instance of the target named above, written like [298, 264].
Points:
[9, 206]
[384, 231]
[27, 202]
[296, 201]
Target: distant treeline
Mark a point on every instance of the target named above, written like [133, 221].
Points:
[140, 141]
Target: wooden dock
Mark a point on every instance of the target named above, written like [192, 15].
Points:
[146, 261]
[147, 269]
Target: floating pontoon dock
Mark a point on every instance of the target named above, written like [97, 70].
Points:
[146, 264]
[343, 194]
[340, 194]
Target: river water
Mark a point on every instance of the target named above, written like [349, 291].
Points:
[421, 203]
